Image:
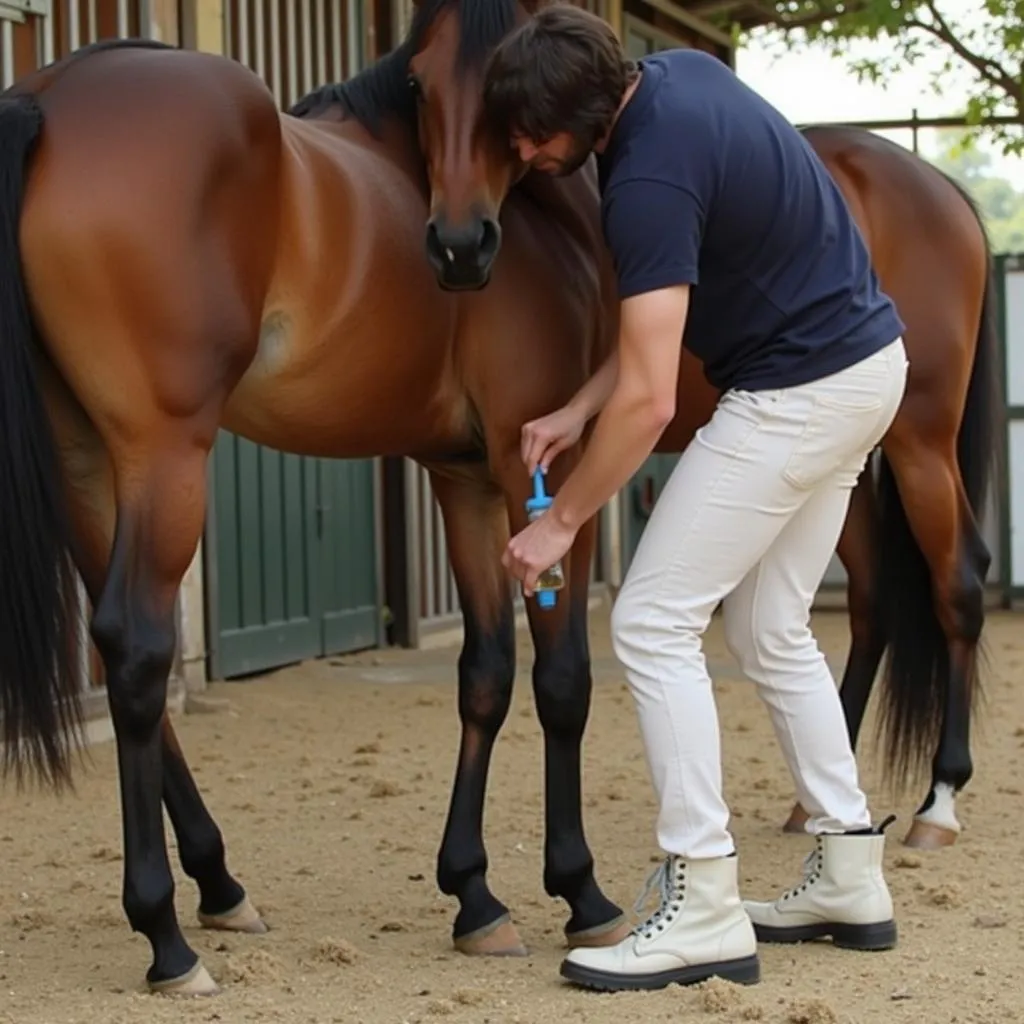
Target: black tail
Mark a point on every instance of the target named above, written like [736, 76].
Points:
[918, 669]
[39, 677]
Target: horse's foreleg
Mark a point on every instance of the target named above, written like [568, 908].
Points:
[562, 687]
[223, 903]
[160, 501]
[476, 530]
[858, 551]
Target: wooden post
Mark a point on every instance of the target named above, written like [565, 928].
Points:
[158, 19]
[202, 25]
[199, 26]
[613, 15]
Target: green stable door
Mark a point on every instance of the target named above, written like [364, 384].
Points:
[640, 495]
[291, 558]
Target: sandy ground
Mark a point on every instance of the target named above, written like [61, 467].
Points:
[330, 781]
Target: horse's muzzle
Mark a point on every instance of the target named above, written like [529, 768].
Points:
[463, 254]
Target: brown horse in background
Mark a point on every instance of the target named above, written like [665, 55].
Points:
[911, 546]
[177, 256]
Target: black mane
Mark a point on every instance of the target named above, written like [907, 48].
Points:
[382, 89]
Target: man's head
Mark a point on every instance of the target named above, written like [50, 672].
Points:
[554, 87]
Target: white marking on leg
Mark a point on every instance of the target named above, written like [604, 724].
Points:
[943, 809]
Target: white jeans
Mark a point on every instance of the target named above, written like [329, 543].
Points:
[751, 516]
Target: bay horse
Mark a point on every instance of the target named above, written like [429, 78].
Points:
[911, 544]
[177, 256]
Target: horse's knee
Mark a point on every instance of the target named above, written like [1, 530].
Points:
[562, 685]
[487, 668]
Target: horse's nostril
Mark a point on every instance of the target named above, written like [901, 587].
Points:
[490, 240]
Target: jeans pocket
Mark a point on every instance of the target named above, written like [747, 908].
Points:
[834, 433]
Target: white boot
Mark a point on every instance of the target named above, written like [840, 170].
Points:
[699, 931]
[843, 895]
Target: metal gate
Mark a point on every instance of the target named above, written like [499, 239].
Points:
[1010, 285]
[292, 548]
[35, 32]
[296, 46]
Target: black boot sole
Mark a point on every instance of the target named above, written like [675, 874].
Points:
[743, 972]
[865, 937]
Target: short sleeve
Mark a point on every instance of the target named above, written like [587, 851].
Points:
[654, 232]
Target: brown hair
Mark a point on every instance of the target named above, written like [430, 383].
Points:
[561, 71]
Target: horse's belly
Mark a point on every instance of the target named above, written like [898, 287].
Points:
[347, 391]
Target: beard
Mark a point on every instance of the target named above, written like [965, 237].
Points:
[571, 163]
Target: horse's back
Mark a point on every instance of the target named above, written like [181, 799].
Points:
[928, 248]
[902, 203]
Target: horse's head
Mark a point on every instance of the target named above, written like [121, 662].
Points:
[470, 167]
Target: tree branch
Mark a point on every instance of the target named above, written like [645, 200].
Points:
[990, 70]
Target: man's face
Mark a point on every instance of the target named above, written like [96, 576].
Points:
[558, 156]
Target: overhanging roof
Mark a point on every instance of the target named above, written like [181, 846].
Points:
[750, 14]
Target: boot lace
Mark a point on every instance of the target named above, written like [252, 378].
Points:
[811, 871]
[669, 877]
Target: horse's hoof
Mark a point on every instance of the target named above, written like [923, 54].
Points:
[499, 938]
[797, 822]
[243, 918]
[924, 835]
[196, 983]
[609, 934]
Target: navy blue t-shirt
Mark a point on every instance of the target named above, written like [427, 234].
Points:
[704, 183]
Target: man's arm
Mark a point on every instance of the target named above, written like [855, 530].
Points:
[654, 231]
[591, 398]
[641, 404]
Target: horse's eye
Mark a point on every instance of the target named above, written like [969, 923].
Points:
[414, 85]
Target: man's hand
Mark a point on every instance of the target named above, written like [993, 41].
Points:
[544, 438]
[535, 549]
[548, 436]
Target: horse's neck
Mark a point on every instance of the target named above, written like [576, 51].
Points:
[396, 141]
[574, 203]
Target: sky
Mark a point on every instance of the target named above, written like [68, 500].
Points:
[807, 85]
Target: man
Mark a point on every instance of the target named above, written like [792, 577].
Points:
[728, 236]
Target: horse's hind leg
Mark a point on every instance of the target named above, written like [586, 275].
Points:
[160, 499]
[476, 530]
[858, 551]
[223, 904]
[90, 490]
[935, 614]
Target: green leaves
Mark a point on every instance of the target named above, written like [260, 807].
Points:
[984, 46]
